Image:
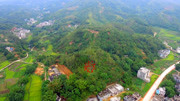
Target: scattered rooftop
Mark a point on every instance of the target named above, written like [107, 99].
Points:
[164, 53]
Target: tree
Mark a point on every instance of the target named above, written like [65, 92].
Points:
[30, 69]
[16, 94]
[92, 88]
[170, 92]
[178, 67]
[49, 96]
[81, 84]
[56, 85]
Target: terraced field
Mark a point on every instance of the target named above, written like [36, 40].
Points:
[172, 37]
[33, 89]
[3, 64]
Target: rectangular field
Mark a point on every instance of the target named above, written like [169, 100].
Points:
[35, 88]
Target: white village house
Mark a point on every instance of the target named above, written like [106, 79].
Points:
[143, 73]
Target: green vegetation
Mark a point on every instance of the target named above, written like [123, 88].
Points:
[143, 87]
[2, 98]
[169, 84]
[171, 35]
[27, 87]
[9, 74]
[170, 57]
[47, 94]
[4, 64]
[148, 85]
[35, 88]
[117, 37]
[159, 66]
[178, 67]
[17, 91]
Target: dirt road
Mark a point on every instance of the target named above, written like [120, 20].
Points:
[20, 60]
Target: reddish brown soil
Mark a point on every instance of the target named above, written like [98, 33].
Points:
[109, 33]
[39, 71]
[94, 32]
[64, 70]
[4, 92]
[70, 43]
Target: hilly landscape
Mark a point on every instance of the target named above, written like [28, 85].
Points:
[117, 37]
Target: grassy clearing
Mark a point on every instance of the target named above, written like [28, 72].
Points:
[170, 56]
[50, 47]
[29, 38]
[9, 73]
[142, 86]
[29, 59]
[159, 66]
[5, 63]
[148, 85]
[50, 50]
[2, 98]
[35, 89]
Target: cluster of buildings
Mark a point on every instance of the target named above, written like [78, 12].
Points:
[46, 23]
[10, 49]
[164, 53]
[160, 93]
[111, 90]
[20, 32]
[160, 96]
[134, 97]
[53, 72]
[143, 73]
[31, 21]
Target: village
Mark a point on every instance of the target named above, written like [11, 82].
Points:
[112, 91]
[20, 32]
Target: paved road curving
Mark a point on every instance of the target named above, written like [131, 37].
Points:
[20, 60]
[153, 88]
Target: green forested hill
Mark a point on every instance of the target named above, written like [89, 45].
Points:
[117, 35]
